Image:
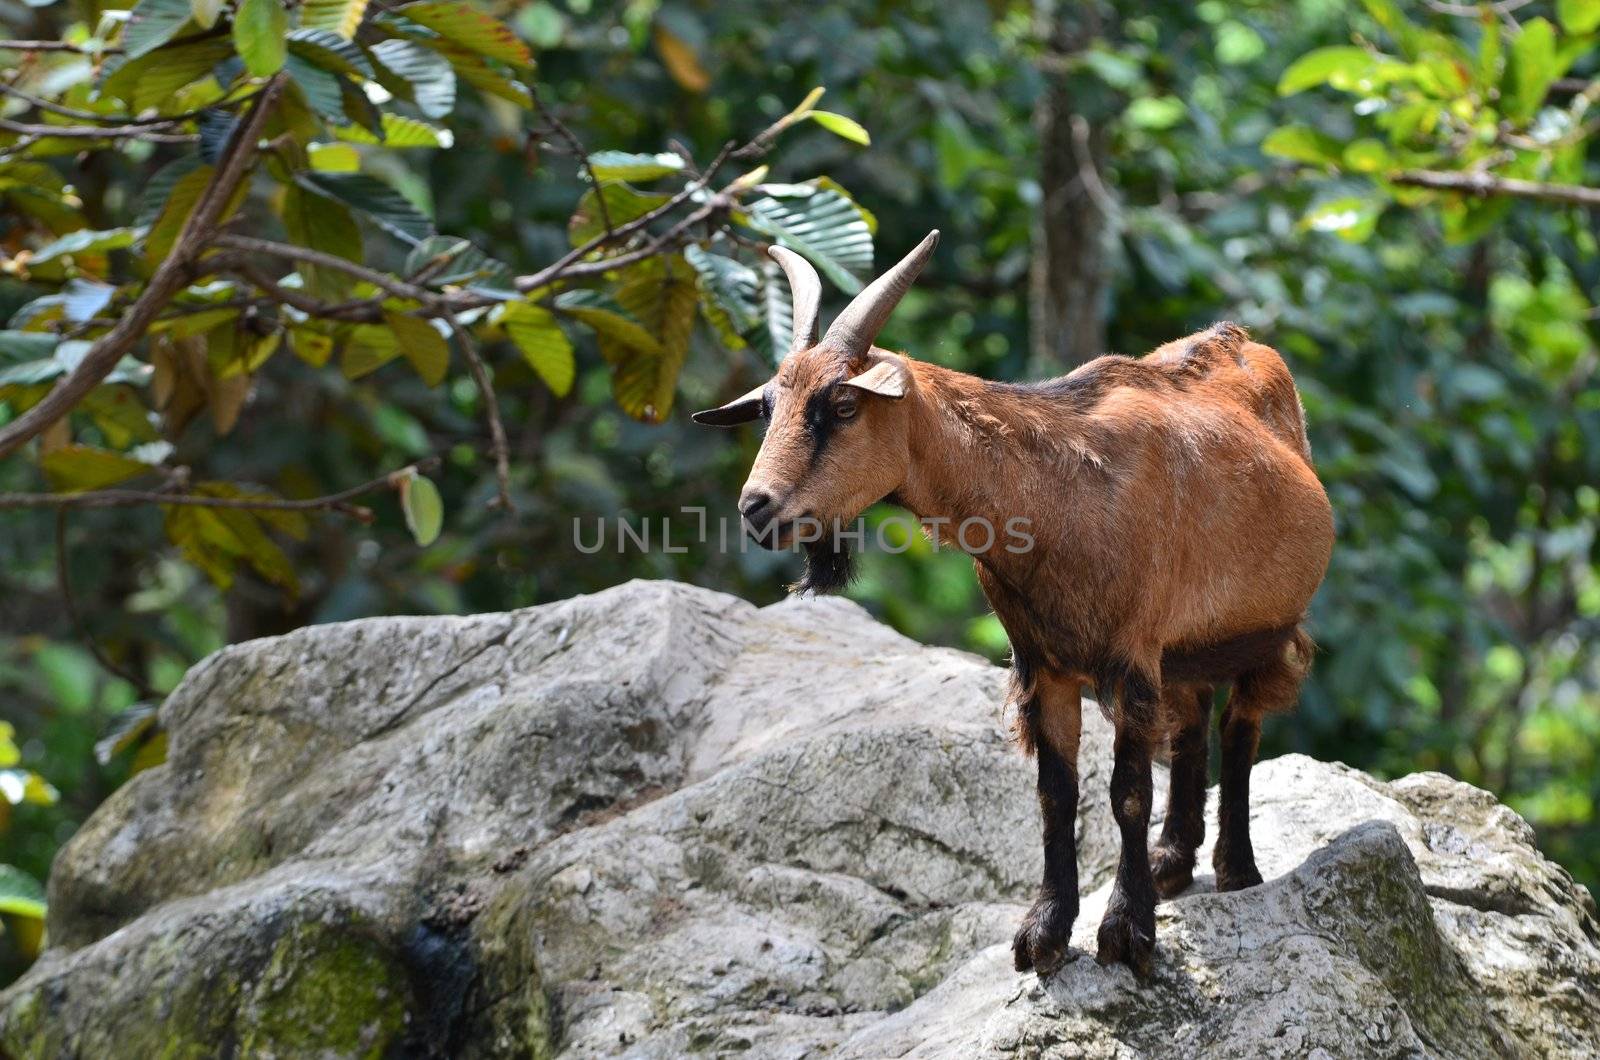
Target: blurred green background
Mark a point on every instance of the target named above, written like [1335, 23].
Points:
[1099, 174]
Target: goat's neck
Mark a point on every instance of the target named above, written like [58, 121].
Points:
[982, 451]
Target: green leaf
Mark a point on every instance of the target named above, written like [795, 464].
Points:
[153, 81]
[87, 241]
[180, 203]
[367, 348]
[824, 226]
[260, 29]
[470, 28]
[323, 90]
[331, 52]
[777, 313]
[389, 210]
[429, 76]
[1343, 67]
[1367, 156]
[399, 131]
[731, 299]
[1350, 218]
[620, 165]
[624, 203]
[126, 731]
[315, 221]
[534, 330]
[151, 24]
[423, 507]
[76, 468]
[461, 262]
[476, 71]
[608, 320]
[1300, 143]
[661, 294]
[333, 158]
[20, 894]
[25, 346]
[341, 17]
[1531, 69]
[422, 345]
[1579, 16]
[1156, 112]
[841, 126]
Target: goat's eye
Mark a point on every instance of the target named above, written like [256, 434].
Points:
[845, 408]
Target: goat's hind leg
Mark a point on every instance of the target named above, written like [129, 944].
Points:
[1050, 723]
[1270, 688]
[1187, 709]
[1128, 932]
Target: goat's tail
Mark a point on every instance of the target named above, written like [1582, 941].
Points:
[1023, 697]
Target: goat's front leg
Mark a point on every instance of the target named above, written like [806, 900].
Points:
[1128, 932]
[1051, 721]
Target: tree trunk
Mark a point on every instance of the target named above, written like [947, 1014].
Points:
[1067, 280]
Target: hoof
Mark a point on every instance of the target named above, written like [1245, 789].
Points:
[1041, 942]
[1124, 942]
[1237, 878]
[1173, 871]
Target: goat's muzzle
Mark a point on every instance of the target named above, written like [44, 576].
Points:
[758, 509]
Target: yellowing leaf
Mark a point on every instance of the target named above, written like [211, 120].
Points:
[422, 345]
[334, 158]
[471, 28]
[680, 60]
[423, 508]
[368, 348]
[338, 16]
[839, 125]
[76, 468]
[543, 344]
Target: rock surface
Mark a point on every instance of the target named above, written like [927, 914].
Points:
[658, 821]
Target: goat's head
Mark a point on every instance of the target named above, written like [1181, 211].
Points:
[837, 424]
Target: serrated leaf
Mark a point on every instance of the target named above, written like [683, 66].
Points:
[151, 24]
[841, 126]
[423, 508]
[470, 28]
[331, 52]
[621, 165]
[478, 72]
[608, 320]
[456, 260]
[341, 17]
[87, 241]
[260, 31]
[387, 208]
[423, 346]
[429, 75]
[316, 221]
[535, 332]
[399, 131]
[661, 294]
[333, 158]
[322, 89]
[730, 296]
[824, 226]
[624, 203]
[76, 468]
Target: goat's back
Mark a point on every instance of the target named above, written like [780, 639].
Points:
[1224, 362]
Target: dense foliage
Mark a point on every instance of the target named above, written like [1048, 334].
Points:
[1393, 197]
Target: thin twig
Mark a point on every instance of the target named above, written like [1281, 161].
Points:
[168, 279]
[333, 502]
[491, 408]
[55, 46]
[396, 287]
[576, 145]
[64, 586]
[1485, 185]
[149, 132]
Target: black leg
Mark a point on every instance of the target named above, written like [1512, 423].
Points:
[1172, 859]
[1053, 717]
[1234, 859]
[1128, 932]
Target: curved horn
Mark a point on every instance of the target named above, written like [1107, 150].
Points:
[805, 289]
[853, 331]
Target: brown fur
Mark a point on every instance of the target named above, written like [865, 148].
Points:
[1179, 534]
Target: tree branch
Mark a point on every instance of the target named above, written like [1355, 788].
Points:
[168, 278]
[491, 406]
[1486, 185]
[336, 502]
[55, 46]
[147, 132]
[398, 288]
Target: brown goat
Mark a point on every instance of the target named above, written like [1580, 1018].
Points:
[1178, 534]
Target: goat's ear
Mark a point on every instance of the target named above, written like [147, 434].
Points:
[888, 378]
[739, 410]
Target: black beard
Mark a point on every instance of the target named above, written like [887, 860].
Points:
[829, 568]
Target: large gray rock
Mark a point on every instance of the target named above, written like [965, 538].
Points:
[658, 821]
